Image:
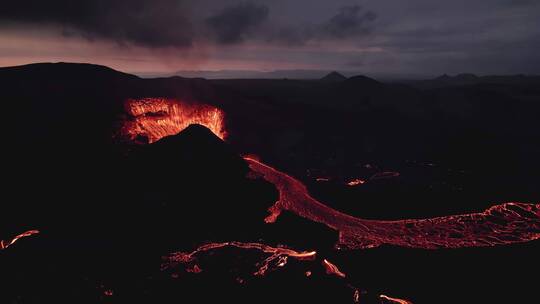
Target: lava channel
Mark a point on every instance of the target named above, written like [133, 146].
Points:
[277, 256]
[6, 244]
[155, 118]
[499, 225]
[332, 269]
[387, 299]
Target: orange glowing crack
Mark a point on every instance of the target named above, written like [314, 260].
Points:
[6, 244]
[332, 269]
[502, 224]
[394, 300]
[155, 118]
[278, 256]
[356, 182]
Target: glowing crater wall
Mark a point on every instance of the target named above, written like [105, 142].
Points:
[155, 118]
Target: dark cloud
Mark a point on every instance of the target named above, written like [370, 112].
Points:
[234, 23]
[156, 23]
[350, 21]
[168, 23]
[290, 36]
[522, 3]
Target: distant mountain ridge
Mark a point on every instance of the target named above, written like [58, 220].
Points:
[247, 74]
[465, 79]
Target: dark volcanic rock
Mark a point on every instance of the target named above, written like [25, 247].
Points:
[362, 82]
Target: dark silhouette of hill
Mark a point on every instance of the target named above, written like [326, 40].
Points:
[195, 152]
[62, 71]
[362, 86]
[362, 80]
[334, 77]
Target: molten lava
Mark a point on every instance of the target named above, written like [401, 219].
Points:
[356, 182]
[6, 244]
[277, 256]
[332, 269]
[387, 299]
[502, 224]
[155, 118]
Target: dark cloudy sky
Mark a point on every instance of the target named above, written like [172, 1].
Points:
[383, 37]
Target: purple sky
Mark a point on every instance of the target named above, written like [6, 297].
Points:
[384, 37]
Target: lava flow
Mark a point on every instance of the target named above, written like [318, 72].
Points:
[6, 244]
[387, 299]
[155, 118]
[332, 269]
[356, 182]
[279, 255]
[502, 224]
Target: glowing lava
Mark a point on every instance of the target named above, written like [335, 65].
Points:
[356, 182]
[277, 256]
[332, 269]
[6, 244]
[388, 299]
[155, 118]
[502, 224]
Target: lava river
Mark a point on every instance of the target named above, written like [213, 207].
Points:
[502, 224]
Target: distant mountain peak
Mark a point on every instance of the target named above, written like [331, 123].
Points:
[363, 80]
[467, 76]
[334, 77]
[443, 77]
[462, 76]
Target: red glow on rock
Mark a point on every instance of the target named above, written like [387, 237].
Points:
[6, 244]
[155, 118]
[332, 269]
[194, 269]
[387, 299]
